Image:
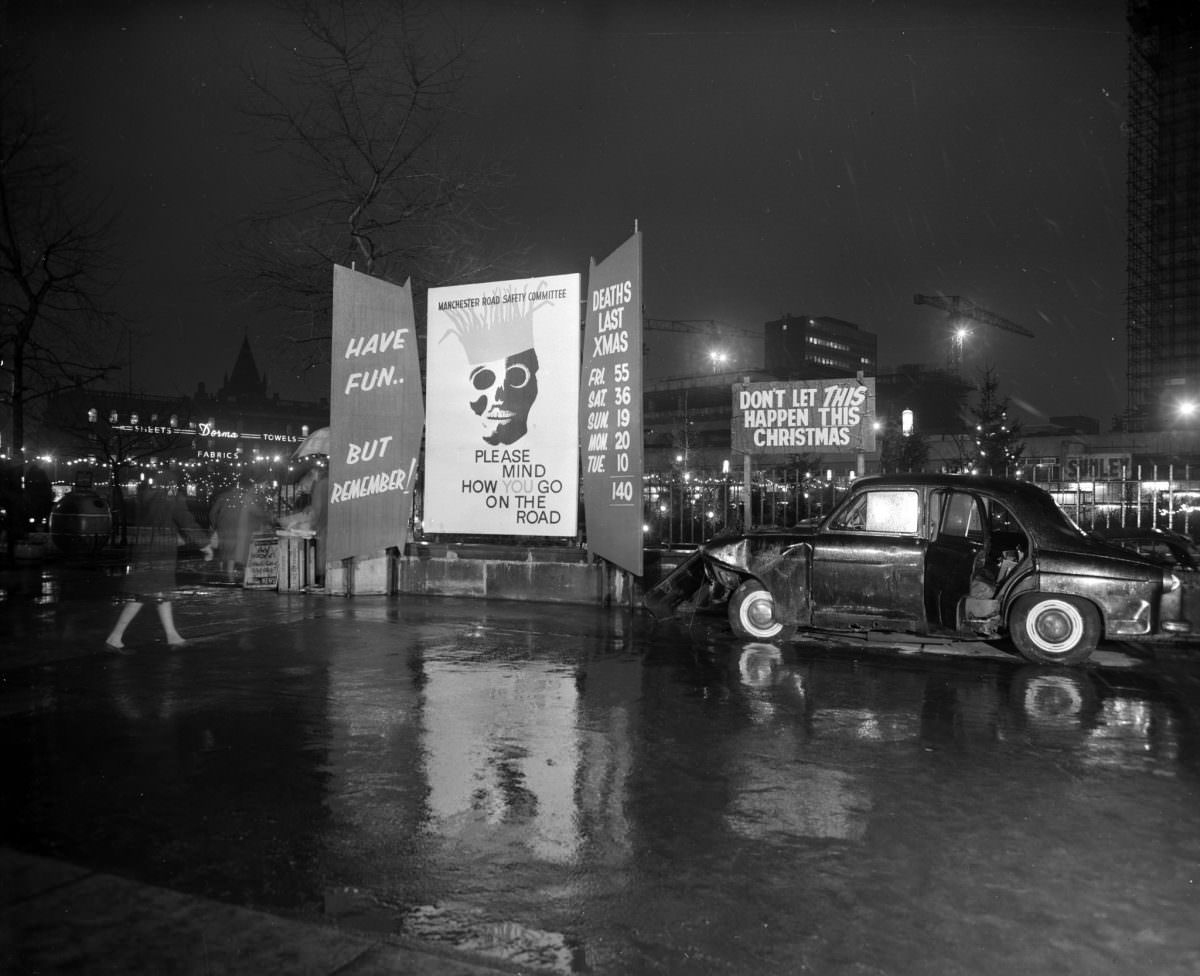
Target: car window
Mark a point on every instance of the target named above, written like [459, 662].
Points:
[1000, 519]
[960, 517]
[882, 511]
[1004, 531]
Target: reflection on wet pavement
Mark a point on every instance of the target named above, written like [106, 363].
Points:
[565, 790]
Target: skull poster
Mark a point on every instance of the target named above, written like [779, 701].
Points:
[501, 450]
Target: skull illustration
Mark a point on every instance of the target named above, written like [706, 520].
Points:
[506, 390]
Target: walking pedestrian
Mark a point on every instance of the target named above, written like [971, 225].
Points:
[162, 520]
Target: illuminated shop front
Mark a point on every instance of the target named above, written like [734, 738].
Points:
[241, 434]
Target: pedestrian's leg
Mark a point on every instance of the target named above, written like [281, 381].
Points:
[166, 615]
[128, 612]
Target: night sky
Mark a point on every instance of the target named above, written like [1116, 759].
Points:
[824, 158]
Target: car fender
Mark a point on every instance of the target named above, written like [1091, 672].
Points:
[785, 576]
[779, 561]
[1126, 607]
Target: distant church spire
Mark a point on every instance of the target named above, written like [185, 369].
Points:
[245, 382]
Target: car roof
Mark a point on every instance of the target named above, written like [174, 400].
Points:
[1033, 505]
[980, 482]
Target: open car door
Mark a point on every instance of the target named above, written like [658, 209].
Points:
[868, 564]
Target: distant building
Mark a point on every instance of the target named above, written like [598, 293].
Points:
[1074, 425]
[1163, 193]
[815, 347]
[243, 405]
[241, 431]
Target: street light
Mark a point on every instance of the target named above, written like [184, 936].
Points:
[957, 338]
[719, 359]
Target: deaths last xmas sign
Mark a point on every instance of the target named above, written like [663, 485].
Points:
[804, 417]
[501, 446]
[610, 407]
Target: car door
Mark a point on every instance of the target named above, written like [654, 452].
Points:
[957, 537]
[867, 564]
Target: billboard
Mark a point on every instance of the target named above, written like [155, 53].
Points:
[610, 407]
[804, 417]
[376, 415]
[502, 447]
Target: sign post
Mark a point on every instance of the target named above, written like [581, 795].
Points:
[747, 502]
[610, 408]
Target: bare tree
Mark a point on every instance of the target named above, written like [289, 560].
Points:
[357, 97]
[54, 274]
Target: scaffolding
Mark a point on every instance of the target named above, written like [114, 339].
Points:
[1163, 188]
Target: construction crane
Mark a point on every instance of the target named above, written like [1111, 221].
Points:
[962, 312]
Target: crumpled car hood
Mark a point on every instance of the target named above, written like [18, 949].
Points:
[748, 551]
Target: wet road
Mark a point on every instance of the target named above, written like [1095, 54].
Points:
[562, 789]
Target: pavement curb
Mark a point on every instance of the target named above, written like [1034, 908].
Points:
[57, 917]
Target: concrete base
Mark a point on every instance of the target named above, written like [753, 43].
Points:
[555, 575]
[364, 576]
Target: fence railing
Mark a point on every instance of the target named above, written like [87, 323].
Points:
[688, 512]
[1126, 503]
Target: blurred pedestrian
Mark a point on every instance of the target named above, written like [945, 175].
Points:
[310, 514]
[320, 522]
[236, 516]
[163, 520]
[12, 505]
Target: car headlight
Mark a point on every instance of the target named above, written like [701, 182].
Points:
[1170, 581]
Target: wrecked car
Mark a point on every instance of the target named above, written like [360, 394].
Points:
[935, 554]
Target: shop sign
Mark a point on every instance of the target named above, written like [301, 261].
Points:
[206, 430]
[1101, 467]
[210, 430]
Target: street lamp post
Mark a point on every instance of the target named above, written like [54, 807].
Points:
[725, 478]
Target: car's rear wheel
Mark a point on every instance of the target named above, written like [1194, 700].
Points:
[1052, 629]
[752, 612]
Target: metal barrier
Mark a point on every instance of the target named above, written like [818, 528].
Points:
[1126, 503]
[682, 511]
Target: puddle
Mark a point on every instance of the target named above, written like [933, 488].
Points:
[471, 930]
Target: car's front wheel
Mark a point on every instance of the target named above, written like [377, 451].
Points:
[752, 612]
[1051, 629]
